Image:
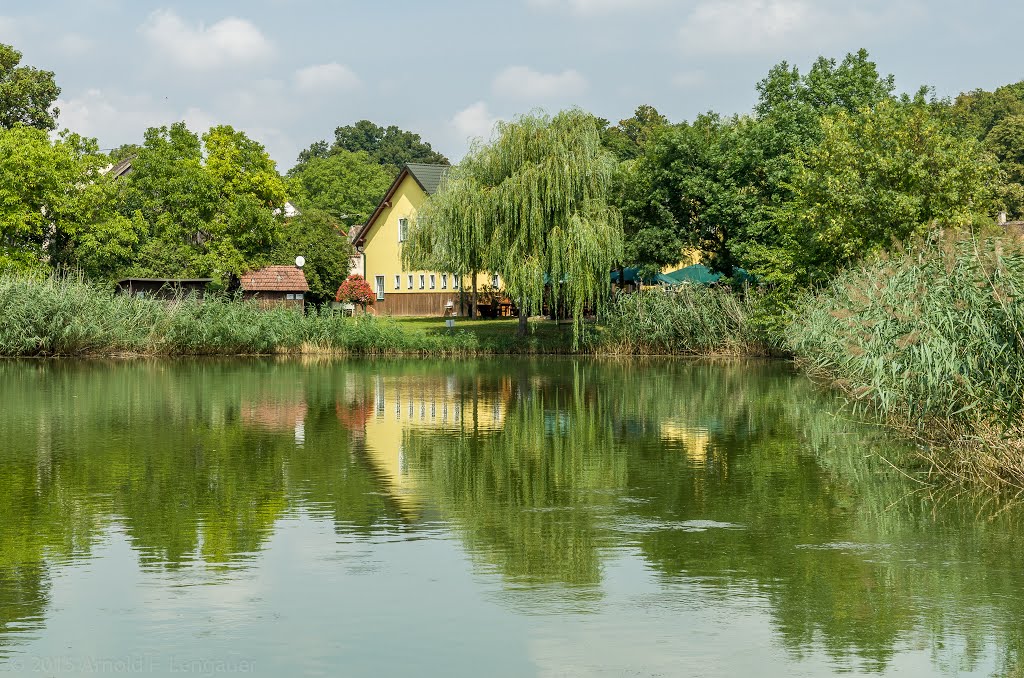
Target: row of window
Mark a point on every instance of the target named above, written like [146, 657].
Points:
[423, 278]
[423, 281]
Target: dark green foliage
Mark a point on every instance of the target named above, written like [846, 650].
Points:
[347, 185]
[209, 205]
[26, 93]
[627, 139]
[317, 237]
[389, 146]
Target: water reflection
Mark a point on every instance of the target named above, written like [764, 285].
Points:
[732, 483]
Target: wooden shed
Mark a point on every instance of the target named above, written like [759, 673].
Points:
[276, 286]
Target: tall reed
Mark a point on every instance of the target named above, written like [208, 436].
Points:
[931, 338]
[66, 316]
[687, 320]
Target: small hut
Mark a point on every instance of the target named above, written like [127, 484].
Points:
[276, 286]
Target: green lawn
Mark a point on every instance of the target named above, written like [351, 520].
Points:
[545, 336]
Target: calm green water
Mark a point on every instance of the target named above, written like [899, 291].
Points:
[499, 518]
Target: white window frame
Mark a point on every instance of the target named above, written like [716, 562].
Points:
[433, 281]
[444, 281]
[496, 281]
[378, 283]
[456, 282]
[403, 229]
[410, 281]
[423, 281]
[398, 282]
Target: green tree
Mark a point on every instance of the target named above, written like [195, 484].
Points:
[538, 196]
[239, 165]
[316, 236]
[1006, 142]
[878, 177]
[977, 112]
[209, 208]
[389, 146]
[628, 139]
[695, 187]
[26, 93]
[50, 191]
[347, 185]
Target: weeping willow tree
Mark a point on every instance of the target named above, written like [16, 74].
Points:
[452, 231]
[532, 206]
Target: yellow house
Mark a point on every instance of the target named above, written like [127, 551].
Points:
[378, 245]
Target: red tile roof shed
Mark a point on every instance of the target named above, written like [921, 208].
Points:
[275, 279]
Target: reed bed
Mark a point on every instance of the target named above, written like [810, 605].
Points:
[66, 316]
[930, 338]
[688, 320]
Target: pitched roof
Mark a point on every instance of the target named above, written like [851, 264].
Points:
[275, 279]
[428, 177]
[122, 168]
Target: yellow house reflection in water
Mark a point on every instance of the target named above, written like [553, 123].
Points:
[694, 440]
[403, 404]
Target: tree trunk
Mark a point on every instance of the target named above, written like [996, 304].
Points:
[521, 330]
[473, 309]
[462, 296]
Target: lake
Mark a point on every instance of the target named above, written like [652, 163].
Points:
[501, 517]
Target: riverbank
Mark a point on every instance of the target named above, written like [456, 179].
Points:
[931, 340]
[928, 340]
[67, 317]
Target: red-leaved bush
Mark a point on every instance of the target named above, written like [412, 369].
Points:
[355, 290]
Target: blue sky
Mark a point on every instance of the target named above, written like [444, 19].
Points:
[289, 71]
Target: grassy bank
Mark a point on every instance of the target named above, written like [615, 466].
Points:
[41, 317]
[932, 339]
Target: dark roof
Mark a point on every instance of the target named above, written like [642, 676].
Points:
[275, 279]
[428, 177]
[122, 168]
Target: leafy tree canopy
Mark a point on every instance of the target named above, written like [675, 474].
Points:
[208, 203]
[26, 93]
[50, 191]
[537, 199]
[347, 185]
[627, 139]
[316, 235]
[979, 111]
[878, 177]
[389, 146]
[1006, 142]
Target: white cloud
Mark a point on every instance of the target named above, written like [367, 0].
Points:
[474, 122]
[323, 77]
[757, 26]
[116, 119]
[520, 82]
[593, 7]
[230, 41]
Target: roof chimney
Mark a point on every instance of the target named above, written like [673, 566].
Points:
[1002, 219]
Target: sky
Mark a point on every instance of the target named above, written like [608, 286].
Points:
[288, 72]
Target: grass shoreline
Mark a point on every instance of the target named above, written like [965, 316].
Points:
[928, 341]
